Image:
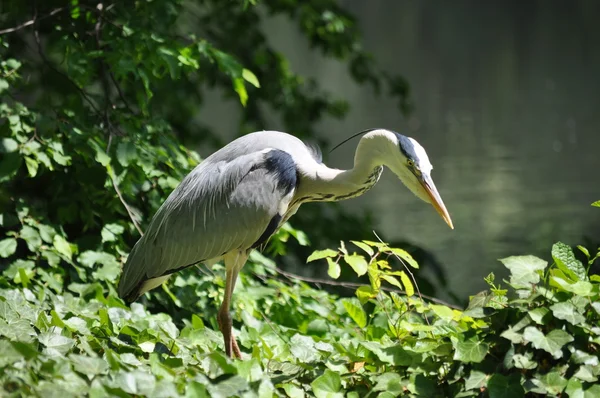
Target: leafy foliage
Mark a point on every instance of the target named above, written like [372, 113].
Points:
[298, 340]
[97, 113]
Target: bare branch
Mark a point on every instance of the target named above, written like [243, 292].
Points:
[127, 208]
[32, 21]
[352, 285]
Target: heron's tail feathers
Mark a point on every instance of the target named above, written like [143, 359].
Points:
[134, 280]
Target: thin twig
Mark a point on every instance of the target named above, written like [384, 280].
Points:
[127, 208]
[120, 91]
[352, 285]
[32, 21]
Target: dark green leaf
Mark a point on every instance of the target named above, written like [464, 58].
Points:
[500, 386]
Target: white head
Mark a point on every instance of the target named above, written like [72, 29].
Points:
[409, 161]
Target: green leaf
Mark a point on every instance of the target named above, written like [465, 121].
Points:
[442, 311]
[126, 153]
[476, 380]
[32, 237]
[8, 145]
[240, 89]
[565, 260]
[596, 203]
[524, 269]
[319, 254]
[538, 315]
[328, 385]
[470, 351]
[554, 382]
[303, 348]
[404, 255]
[358, 263]
[89, 366]
[62, 246]
[8, 247]
[334, 269]
[250, 78]
[408, 286]
[365, 293]
[32, 166]
[500, 386]
[364, 247]
[551, 343]
[111, 231]
[567, 311]
[356, 312]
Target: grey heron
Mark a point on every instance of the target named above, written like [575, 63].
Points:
[236, 198]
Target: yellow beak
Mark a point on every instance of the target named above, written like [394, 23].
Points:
[435, 198]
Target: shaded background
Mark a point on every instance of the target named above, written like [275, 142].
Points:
[506, 103]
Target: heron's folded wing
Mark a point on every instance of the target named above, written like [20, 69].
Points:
[217, 208]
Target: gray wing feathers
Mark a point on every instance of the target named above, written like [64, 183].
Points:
[220, 206]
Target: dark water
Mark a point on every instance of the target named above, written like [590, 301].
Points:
[507, 98]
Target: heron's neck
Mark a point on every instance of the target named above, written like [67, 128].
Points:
[328, 184]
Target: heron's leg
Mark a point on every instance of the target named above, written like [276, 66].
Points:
[233, 264]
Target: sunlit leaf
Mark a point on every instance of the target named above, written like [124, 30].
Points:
[334, 269]
[524, 269]
[356, 312]
[320, 254]
[7, 247]
[358, 263]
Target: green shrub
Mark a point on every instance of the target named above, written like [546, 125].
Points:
[538, 336]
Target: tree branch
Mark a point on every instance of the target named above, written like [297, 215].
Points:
[122, 199]
[31, 21]
[352, 285]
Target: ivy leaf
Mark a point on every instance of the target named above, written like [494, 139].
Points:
[551, 343]
[524, 269]
[470, 351]
[476, 380]
[500, 386]
[90, 366]
[567, 312]
[111, 231]
[328, 385]
[8, 247]
[303, 348]
[319, 254]
[565, 260]
[356, 312]
[358, 263]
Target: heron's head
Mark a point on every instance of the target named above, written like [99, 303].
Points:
[409, 161]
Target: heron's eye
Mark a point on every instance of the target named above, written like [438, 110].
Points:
[411, 163]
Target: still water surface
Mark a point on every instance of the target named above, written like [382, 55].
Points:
[507, 104]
